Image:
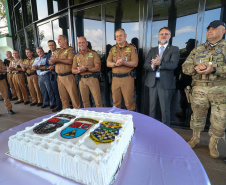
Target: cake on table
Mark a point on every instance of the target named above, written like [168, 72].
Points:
[81, 145]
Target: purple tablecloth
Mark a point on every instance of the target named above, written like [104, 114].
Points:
[157, 155]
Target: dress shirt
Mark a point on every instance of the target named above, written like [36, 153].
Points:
[158, 72]
[40, 61]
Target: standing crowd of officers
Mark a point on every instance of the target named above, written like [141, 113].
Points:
[51, 78]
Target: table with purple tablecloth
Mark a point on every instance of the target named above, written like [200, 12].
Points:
[157, 155]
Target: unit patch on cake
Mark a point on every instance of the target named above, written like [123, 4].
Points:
[106, 132]
[77, 128]
[52, 124]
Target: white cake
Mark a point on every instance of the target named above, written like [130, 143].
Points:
[82, 145]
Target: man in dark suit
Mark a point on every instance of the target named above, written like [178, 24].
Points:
[160, 65]
[53, 76]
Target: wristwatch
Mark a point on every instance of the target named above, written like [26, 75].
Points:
[87, 69]
[114, 64]
[214, 70]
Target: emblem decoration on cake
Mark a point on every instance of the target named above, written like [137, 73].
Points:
[106, 132]
[52, 124]
[77, 129]
[83, 153]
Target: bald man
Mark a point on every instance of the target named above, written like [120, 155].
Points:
[86, 63]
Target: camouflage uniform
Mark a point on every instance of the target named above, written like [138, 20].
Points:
[208, 90]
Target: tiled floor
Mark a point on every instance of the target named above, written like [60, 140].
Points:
[215, 168]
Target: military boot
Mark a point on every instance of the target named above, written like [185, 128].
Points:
[195, 138]
[213, 147]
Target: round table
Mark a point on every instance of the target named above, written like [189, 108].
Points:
[157, 155]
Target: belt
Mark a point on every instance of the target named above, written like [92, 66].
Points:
[10, 72]
[30, 74]
[17, 72]
[123, 75]
[64, 74]
[205, 84]
[86, 76]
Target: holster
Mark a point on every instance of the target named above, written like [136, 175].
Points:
[78, 78]
[188, 92]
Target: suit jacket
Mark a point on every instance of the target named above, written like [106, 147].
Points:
[170, 59]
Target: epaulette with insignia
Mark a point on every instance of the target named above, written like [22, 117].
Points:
[134, 47]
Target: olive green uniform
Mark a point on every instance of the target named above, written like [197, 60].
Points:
[32, 79]
[66, 81]
[208, 90]
[19, 81]
[4, 88]
[87, 82]
[123, 86]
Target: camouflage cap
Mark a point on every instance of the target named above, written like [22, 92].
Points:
[216, 23]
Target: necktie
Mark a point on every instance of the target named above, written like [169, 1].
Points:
[161, 51]
[160, 55]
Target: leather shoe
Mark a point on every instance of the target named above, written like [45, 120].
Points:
[12, 99]
[33, 104]
[44, 106]
[52, 106]
[39, 104]
[10, 112]
[18, 102]
[56, 109]
[27, 102]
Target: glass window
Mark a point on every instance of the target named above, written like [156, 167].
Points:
[213, 11]
[22, 44]
[15, 2]
[44, 35]
[42, 8]
[60, 27]
[77, 2]
[28, 14]
[59, 5]
[19, 18]
[92, 27]
[128, 21]
[31, 38]
[180, 17]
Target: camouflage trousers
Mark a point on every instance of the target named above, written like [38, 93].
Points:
[202, 99]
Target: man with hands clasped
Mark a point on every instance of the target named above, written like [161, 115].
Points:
[123, 58]
[160, 65]
[207, 66]
[86, 63]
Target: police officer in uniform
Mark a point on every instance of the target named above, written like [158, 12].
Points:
[19, 79]
[207, 66]
[85, 63]
[32, 78]
[4, 89]
[10, 74]
[63, 60]
[123, 58]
